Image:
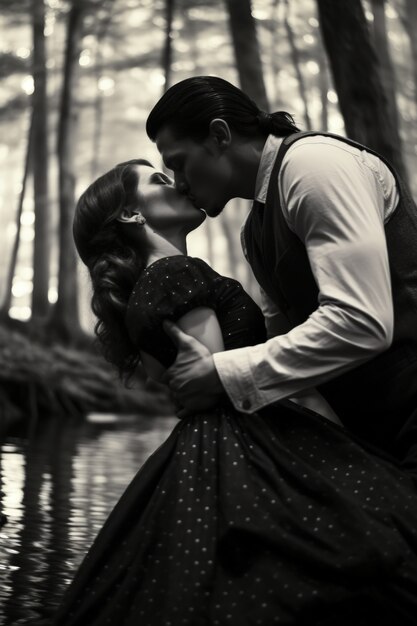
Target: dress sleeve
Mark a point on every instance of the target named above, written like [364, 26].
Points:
[166, 290]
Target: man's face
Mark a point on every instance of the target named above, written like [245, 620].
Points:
[201, 169]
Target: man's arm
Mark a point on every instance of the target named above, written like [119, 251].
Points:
[277, 324]
[334, 205]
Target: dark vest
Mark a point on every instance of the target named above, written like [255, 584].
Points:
[375, 399]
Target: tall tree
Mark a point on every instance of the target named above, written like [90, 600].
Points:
[295, 58]
[65, 316]
[101, 34]
[386, 67]
[247, 53]
[40, 302]
[4, 313]
[167, 51]
[355, 68]
[409, 19]
[323, 79]
[274, 59]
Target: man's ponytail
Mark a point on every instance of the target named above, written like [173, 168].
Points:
[279, 123]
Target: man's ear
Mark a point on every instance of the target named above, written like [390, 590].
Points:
[219, 134]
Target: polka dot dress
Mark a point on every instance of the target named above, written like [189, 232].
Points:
[274, 518]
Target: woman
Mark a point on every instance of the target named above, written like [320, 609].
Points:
[235, 519]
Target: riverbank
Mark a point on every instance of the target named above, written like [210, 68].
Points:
[39, 378]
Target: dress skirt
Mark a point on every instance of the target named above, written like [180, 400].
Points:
[273, 518]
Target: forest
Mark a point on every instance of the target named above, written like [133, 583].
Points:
[79, 78]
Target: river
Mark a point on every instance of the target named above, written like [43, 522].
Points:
[57, 487]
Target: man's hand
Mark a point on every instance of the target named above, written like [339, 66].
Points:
[193, 377]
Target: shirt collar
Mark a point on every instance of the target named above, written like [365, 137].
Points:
[266, 164]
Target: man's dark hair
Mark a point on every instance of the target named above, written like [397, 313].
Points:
[189, 106]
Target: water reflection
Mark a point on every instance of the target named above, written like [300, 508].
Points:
[57, 488]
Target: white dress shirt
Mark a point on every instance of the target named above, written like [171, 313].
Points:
[336, 199]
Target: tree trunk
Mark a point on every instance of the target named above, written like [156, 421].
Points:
[324, 90]
[66, 318]
[247, 53]
[410, 24]
[98, 127]
[98, 105]
[386, 67]
[295, 57]
[167, 52]
[275, 65]
[40, 302]
[4, 313]
[355, 70]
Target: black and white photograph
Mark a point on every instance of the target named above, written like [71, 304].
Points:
[208, 313]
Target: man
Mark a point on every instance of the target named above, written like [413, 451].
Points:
[331, 239]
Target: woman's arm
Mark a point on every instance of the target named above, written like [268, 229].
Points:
[202, 324]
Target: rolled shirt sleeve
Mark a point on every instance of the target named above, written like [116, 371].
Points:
[332, 201]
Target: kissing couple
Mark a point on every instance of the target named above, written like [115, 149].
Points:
[286, 494]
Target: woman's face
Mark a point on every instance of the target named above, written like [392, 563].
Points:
[164, 208]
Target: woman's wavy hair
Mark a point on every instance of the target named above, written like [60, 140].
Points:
[189, 106]
[113, 262]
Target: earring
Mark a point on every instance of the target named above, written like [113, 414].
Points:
[139, 219]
